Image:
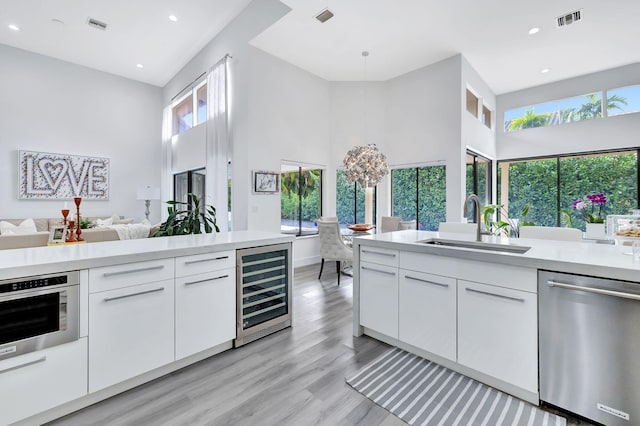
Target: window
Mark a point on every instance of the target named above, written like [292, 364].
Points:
[472, 103]
[419, 193]
[552, 184]
[350, 201]
[478, 180]
[184, 117]
[486, 116]
[189, 182]
[300, 200]
[623, 100]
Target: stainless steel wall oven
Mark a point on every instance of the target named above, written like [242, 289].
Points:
[38, 312]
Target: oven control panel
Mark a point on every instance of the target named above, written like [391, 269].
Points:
[33, 283]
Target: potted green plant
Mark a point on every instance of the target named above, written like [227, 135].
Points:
[509, 227]
[193, 219]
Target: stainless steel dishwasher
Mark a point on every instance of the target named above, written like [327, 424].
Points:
[589, 343]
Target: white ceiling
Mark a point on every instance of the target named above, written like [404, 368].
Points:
[139, 32]
[402, 35]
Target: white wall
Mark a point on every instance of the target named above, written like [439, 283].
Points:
[54, 106]
[424, 123]
[233, 40]
[288, 122]
[600, 134]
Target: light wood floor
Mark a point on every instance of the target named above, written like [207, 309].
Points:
[293, 377]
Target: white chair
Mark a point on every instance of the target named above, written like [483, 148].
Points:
[389, 223]
[407, 224]
[457, 227]
[551, 233]
[328, 218]
[331, 246]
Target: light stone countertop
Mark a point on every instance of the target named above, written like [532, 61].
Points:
[51, 259]
[585, 258]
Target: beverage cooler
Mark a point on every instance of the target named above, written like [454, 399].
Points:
[264, 277]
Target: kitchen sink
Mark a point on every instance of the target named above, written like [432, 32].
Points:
[477, 245]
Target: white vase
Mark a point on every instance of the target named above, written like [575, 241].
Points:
[595, 230]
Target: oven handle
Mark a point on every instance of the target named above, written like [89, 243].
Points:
[26, 364]
[602, 291]
[124, 296]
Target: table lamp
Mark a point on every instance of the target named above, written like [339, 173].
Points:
[148, 193]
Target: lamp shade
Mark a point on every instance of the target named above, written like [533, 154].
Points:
[148, 193]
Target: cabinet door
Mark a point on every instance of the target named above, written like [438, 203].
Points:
[497, 333]
[427, 311]
[41, 380]
[205, 311]
[379, 298]
[131, 331]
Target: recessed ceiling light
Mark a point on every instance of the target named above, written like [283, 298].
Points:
[14, 27]
[545, 70]
[139, 65]
[173, 18]
[534, 30]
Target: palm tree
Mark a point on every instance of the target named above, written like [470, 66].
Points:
[530, 120]
[301, 184]
[593, 107]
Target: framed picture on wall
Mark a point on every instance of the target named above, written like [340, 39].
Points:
[266, 182]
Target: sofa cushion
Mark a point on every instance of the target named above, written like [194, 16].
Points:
[27, 226]
[39, 239]
[101, 223]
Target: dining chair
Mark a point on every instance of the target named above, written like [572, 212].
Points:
[406, 224]
[331, 246]
[551, 233]
[389, 223]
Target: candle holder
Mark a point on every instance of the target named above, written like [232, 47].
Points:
[78, 200]
[72, 237]
[65, 213]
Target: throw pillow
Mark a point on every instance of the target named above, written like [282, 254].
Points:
[27, 226]
[102, 223]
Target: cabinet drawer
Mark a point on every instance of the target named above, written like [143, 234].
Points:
[205, 311]
[131, 332]
[427, 311]
[41, 380]
[128, 274]
[381, 256]
[498, 333]
[206, 262]
[379, 298]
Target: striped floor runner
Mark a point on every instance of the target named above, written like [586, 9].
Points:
[422, 392]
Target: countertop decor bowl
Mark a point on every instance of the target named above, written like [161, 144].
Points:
[360, 227]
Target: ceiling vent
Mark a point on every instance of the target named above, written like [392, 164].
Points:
[94, 23]
[569, 18]
[324, 16]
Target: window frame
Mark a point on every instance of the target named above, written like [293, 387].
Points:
[190, 173]
[193, 94]
[355, 199]
[299, 232]
[558, 157]
[476, 186]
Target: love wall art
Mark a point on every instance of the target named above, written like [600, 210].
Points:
[59, 176]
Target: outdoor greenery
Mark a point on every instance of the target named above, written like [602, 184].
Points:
[300, 188]
[590, 109]
[426, 203]
[535, 182]
[345, 200]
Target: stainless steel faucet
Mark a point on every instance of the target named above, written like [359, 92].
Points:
[476, 200]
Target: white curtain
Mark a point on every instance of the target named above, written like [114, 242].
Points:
[166, 185]
[217, 145]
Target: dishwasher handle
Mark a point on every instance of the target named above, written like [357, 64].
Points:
[602, 291]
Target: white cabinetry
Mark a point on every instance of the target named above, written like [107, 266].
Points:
[427, 312]
[131, 328]
[41, 380]
[205, 302]
[497, 333]
[379, 298]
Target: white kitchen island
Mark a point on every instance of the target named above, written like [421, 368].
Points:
[145, 308]
[474, 311]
